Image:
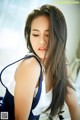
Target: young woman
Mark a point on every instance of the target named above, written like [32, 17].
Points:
[41, 83]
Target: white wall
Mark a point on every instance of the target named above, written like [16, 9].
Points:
[72, 15]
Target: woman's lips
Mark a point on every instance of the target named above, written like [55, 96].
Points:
[42, 49]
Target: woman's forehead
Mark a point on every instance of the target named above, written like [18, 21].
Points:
[40, 22]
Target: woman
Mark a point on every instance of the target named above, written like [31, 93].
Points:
[41, 82]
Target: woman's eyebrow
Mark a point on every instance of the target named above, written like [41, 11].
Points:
[35, 30]
[38, 30]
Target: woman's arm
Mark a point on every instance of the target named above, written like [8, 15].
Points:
[72, 103]
[26, 76]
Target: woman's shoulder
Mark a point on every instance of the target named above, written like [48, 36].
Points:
[30, 63]
[31, 58]
[28, 67]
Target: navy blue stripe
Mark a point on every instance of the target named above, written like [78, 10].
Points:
[36, 99]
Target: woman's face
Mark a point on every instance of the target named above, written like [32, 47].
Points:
[39, 35]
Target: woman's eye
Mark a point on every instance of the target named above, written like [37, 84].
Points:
[35, 35]
[47, 35]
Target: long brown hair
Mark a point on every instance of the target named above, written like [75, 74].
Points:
[56, 62]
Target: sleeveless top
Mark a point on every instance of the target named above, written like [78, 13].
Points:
[41, 100]
[39, 96]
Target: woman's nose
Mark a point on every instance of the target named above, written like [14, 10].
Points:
[42, 40]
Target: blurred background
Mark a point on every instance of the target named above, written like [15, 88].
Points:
[13, 14]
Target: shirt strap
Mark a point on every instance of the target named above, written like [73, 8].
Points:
[26, 57]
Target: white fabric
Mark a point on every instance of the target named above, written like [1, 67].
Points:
[65, 114]
[44, 101]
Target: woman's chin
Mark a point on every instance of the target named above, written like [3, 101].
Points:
[41, 55]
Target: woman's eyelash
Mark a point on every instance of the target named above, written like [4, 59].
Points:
[35, 35]
[46, 35]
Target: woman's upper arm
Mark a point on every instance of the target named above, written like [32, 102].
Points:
[72, 103]
[26, 76]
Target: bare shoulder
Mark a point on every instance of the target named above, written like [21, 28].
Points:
[28, 67]
[72, 102]
[32, 62]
